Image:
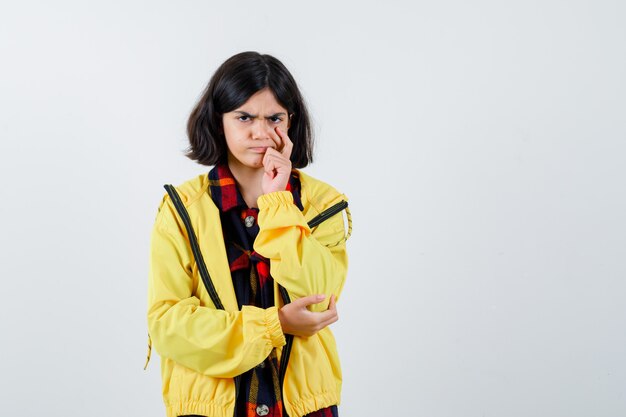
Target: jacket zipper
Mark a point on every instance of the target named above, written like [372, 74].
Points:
[326, 214]
[286, 352]
[204, 273]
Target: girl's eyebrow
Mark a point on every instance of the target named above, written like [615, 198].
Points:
[253, 116]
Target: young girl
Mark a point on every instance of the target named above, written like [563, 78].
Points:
[248, 261]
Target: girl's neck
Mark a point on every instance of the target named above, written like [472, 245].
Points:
[248, 181]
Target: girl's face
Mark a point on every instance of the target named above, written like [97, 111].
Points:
[250, 129]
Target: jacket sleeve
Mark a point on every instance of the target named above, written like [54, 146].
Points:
[302, 261]
[213, 342]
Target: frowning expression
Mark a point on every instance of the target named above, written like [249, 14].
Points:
[250, 129]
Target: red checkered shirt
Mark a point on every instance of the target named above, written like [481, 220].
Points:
[260, 391]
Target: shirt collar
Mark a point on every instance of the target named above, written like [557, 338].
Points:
[226, 195]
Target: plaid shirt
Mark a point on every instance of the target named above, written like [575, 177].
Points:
[260, 393]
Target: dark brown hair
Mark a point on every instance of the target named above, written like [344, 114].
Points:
[238, 78]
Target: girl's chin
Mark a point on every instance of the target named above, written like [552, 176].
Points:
[253, 163]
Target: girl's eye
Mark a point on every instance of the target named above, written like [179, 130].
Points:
[276, 119]
[244, 118]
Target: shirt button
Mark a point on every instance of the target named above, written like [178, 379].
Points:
[262, 410]
[249, 221]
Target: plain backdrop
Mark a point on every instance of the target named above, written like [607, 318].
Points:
[481, 144]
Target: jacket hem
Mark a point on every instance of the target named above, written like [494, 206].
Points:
[175, 409]
[311, 403]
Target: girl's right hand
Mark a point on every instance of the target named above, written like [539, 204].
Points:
[276, 163]
[297, 320]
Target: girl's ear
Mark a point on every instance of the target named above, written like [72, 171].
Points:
[289, 121]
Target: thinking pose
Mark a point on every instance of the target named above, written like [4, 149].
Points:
[248, 261]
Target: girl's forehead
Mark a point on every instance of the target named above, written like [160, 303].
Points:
[262, 99]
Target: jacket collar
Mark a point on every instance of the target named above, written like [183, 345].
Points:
[226, 195]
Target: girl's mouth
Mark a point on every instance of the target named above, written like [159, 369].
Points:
[259, 149]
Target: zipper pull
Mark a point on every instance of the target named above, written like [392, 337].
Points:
[149, 352]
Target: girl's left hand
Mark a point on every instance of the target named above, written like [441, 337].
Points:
[277, 164]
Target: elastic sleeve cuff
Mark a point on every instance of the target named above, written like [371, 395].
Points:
[274, 330]
[274, 199]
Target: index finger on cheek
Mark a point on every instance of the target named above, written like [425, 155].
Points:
[280, 143]
[283, 135]
[287, 143]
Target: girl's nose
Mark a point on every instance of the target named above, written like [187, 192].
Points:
[260, 130]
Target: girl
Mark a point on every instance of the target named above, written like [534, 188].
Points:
[248, 261]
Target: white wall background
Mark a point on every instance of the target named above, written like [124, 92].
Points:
[482, 145]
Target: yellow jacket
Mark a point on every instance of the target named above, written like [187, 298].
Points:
[202, 348]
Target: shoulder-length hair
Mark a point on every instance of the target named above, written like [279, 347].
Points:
[238, 78]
